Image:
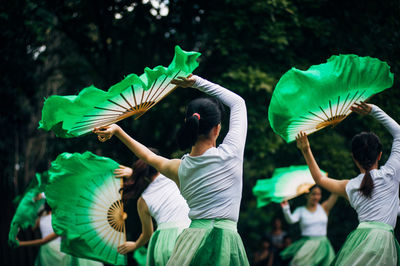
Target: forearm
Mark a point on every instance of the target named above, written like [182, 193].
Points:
[312, 165]
[38, 242]
[238, 113]
[389, 123]
[142, 240]
[289, 217]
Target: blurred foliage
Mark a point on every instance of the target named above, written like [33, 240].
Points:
[60, 47]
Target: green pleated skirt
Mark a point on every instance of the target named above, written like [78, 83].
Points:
[50, 255]
[162, 242]
[372, 243]
[209, 242]
[310, 251]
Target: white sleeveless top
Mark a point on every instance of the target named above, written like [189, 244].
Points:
[165, 201]
[46, 228]
[311, 223]
[384, 203]
[212, 182]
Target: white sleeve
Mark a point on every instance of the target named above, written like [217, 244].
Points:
[289, 217]
[394, 129]
[236, 136]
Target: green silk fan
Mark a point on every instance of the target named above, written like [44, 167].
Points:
[286, 183]
[87, 210]
[72, 116]
[322, 95]
[28, 206]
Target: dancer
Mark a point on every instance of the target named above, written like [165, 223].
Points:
[314, 247]
[373, 193]
[157, 197]
[49, 252]
[209, 177]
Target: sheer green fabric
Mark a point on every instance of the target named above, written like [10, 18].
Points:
[285, 183]
[84, 196]
[27, 207]
[140, 255]
[72, 116]
[310, 251]
[322, 95]
[371, 244]
[209, 242]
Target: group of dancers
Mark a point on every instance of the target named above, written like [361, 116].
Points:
[195, 200]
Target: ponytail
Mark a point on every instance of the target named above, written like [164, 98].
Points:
[367, 185]
[366, 148]
[201, 116]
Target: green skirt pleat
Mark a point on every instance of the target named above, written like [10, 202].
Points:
[310, 251]
[209, 242]
[372, 243]
[161, 244]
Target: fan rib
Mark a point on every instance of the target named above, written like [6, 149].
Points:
[126, 109]
[330, 108]
[355, 101]
[327, 117]
[155, 92]
[169, 83]
[337, 106]
[107, 109]
[307, 118]
[134, 97]
[123, 97]
[350, 103]
[152, 87]
[344, 104]
[99, 203]
[105, 202]
[317, 116]
[102, 192]
[101, 115]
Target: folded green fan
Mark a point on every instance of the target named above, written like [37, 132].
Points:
[286, 183]
[322, 95]
[87, 210]
[28, 206]
[72, 116]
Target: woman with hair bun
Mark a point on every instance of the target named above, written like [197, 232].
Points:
[157, 197]
[313, 248]
[374, 193]
[209, 177]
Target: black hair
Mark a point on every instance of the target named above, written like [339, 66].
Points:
[313, 187]
[366, 148]
[201, 116]
[140, 179]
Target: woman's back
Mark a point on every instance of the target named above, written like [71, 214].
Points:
[383, 204]
[165, 202]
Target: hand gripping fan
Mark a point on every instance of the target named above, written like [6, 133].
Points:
[28, 206]
[322, 95]
[286, 183]
[87, 210]
[72, 116]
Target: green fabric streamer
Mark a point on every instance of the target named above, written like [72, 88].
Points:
[27, 207]
[285, 183]
[322, 95]
[82, 192]
[140, 255]
[72, 116]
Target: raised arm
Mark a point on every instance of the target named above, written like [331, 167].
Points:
[165, 166]
[329, 203]
[147, 229]
[394, 129]
[289, 217]
[332, 185]
[236, 136]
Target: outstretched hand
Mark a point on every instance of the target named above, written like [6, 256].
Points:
[105, 133]
[123, 171]
[361, 108]
[184, 82]
[126, 247]
[302, 141]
